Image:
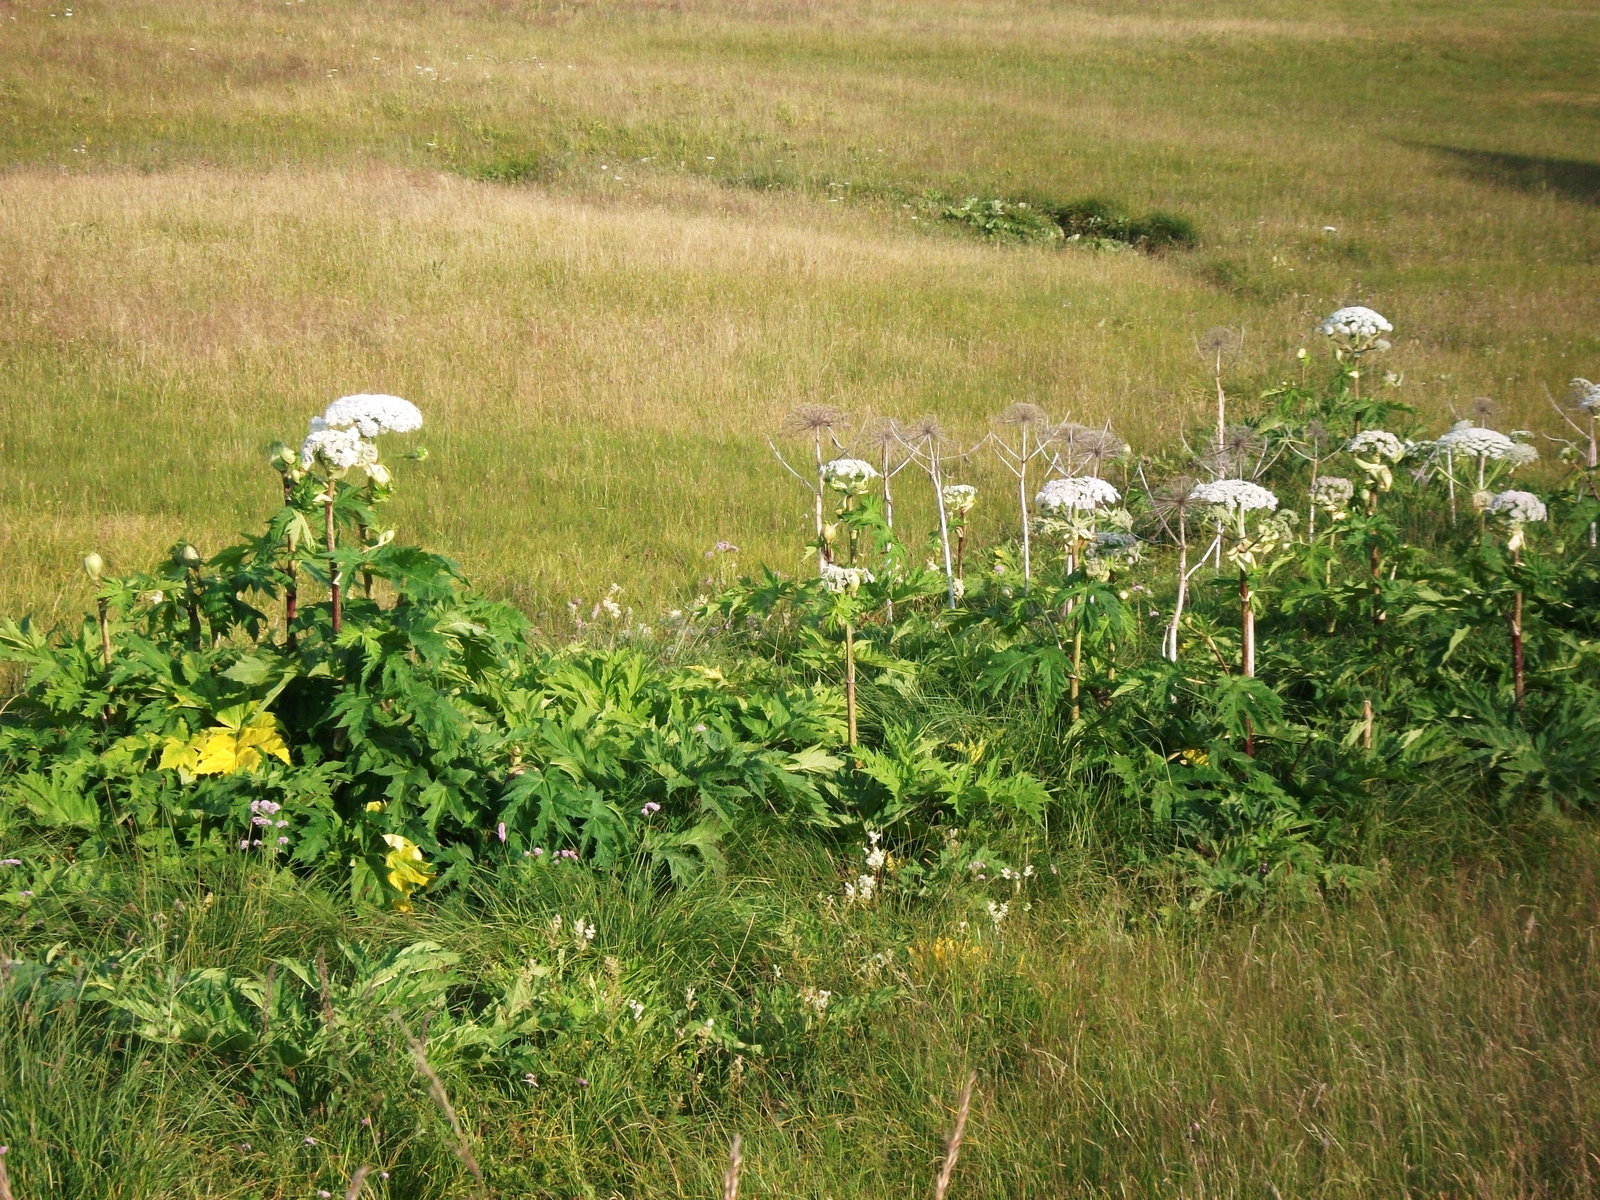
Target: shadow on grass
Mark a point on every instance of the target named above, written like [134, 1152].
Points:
[1569, 177]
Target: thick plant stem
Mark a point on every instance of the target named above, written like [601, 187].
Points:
[1022, 501]
[333, 567]
[291, 604]
[822, 550]
[192, 603]
[1518, 684]
[1594, 461]
[1183, 586]
[291, 589]
[1077, 667]
[1366, 724]
[944, 531]
[850, 679]
[961, 552]
[1248, 617]
[1376, 559]
[105, 634]
[1222, 405]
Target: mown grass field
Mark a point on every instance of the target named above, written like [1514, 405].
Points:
[606, 248]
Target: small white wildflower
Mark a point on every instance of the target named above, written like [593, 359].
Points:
[1332, 492]
[1082, 493]
[875, 858]
[371, 415]
[848, 475]
[636, 1009]
[1377, 443]
[582, 932]
[998, 912]
[817, 998]
[1239, 494]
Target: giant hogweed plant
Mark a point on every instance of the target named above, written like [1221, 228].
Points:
[395, 734]
[1237, 727]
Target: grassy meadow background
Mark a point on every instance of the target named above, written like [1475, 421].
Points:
[605, 248]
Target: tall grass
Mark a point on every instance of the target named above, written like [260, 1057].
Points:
[1434, 1037]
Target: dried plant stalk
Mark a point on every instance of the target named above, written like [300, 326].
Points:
[952, 1148]
[730, 1180]
[463, 1147]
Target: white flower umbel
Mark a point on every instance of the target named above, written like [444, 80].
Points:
[848, 475]
[1236, 495]
[1332, 492]
[1080, 493]
[372, 415]
[839, 579]
[960, 497]
[1356, 327]
[1237, 498]
[1374, 450]
[1518, 507]
[1377, 444]
[1522, 454]
[1466, 440]
[1587, 395]
[336, 450]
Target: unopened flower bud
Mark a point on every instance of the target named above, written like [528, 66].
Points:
[189, 556]
[829, 532]
[282, 457]
[94, 566]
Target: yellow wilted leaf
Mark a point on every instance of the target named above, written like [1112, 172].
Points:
[408, 870]
[227, 749]
[179, 755]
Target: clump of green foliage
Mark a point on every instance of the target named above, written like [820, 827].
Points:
[1090, 221]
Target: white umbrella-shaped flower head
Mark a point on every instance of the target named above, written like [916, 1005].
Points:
[1080, 493]
[1585, 395]
[336, 451]
[1332, 492]
[1235, 495]
[848, 475]
[1376, 444]
[960, 497]
[1517, 509]
[1357, 328]
[371, 415]
[839, 579]
[1473, 441]
[1522, 454]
